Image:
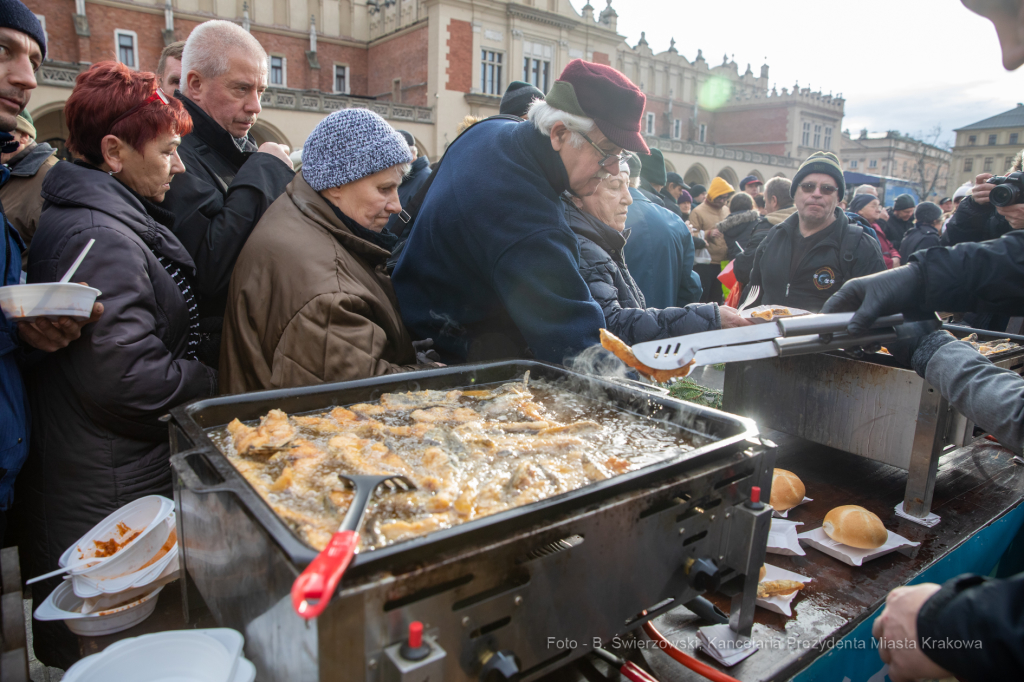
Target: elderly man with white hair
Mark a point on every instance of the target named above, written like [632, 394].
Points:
[228, 182]
[491, 269]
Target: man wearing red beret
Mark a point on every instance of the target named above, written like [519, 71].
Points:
[491, 269]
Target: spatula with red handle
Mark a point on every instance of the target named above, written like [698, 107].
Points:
[313, 589]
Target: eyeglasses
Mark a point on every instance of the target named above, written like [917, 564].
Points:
[827, 190]
[157, 96]
[606, 158]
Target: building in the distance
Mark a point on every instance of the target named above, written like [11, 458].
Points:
[426, 64]
[891, 154]
[988, 146]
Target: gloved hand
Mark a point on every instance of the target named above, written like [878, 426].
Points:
[912, 337]
[900, 290]
[425, 353]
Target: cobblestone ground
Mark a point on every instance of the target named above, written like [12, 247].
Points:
[37, 672]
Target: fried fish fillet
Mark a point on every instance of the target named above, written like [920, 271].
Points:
[619, 349]
[778, 588]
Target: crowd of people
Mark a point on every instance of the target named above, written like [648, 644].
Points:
[223, 270]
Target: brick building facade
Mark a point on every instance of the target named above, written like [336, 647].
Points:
[425, 64]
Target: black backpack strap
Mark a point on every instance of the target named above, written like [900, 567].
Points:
[416, 202]
[848, 244]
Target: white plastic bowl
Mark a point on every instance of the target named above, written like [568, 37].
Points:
[63, 604]
[87, 586]
[147, 513]
[51, 299]
[194, 655]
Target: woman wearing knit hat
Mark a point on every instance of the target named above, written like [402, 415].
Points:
[309, 301]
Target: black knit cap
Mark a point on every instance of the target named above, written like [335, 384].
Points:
[407, 136]
[518, 97]
[927, 212]
[697, 190]
[820, 162]
[15, 15]
[903, 202]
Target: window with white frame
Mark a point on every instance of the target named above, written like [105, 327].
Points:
[806, 139]
[703, 132]
[278, 71]
[968, 165]
[127, 46]
[491, 64]
[873, 163]
[1013, 136]
[828, 138]
[649, 123]
[853, 163]
[537, 64]
[677, 129]
[341, 78]
[987, 168]
[817, 136]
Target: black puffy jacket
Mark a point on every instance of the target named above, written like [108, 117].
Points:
[847, 251]
[895, 229]
[974, 222]
[737, 230]
[604, 269]
[98, 441]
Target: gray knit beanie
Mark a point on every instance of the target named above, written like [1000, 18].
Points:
[348, 145]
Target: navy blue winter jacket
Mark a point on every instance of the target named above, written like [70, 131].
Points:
[411, 184]
[13, 408]
[491, 269]
[660, 254]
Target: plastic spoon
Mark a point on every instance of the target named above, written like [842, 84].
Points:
[78, 261]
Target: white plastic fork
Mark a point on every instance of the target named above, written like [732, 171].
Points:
[752, 295]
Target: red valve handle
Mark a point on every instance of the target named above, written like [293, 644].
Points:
[755, 494]
[415, 634]
[313, 589]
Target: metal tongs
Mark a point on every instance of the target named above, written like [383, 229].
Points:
[779, 338]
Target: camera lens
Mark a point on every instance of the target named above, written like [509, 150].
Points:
[1004, 195]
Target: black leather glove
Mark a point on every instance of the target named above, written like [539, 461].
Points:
[900, 290]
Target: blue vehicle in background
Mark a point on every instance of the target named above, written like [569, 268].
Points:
[888, 188]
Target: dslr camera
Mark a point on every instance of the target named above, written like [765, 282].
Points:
[1009, 189]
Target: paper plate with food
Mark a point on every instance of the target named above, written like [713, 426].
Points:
[768, 313]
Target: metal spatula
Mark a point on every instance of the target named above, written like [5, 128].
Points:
[313, 589]
[740, 343]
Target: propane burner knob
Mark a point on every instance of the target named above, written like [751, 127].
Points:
[414, 648]
[755, 499]
[498, 666]
[703, 575]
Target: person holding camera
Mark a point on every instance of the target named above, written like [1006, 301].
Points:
[977, 219]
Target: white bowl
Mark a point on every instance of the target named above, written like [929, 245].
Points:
[63, 604]
[51, 299]
[148, 514]
[195, 655]
[87, 586]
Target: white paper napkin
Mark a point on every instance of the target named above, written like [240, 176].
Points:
[725, 646]
[851, 555]
[783, 539]
[930, 521]
[783, 514]
[780, 604]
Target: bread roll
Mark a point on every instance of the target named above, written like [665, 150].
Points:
[760, 575]
[855, 526]
[787, 490]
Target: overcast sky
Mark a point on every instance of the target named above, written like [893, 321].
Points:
[907, 65]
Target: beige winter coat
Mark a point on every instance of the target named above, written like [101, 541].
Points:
[309, 302]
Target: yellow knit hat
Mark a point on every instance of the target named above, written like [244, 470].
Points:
[718, 188]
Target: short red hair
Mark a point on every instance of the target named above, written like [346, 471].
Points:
[104, 92]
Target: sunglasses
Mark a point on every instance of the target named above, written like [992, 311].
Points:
[606, 158]
[157, 96]
[827, 190]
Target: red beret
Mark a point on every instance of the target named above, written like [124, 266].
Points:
[608, 97]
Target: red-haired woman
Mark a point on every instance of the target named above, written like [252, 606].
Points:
[97, 440]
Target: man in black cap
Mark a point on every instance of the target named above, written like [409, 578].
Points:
[411, 184]
[699, 194]
[925, 233]
[674, 187]
[901, 219]
[808, 256]
[517, 99]
[752, 185]
[654, 180]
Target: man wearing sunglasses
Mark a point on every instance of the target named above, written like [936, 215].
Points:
[491, 268]
[808, 256]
